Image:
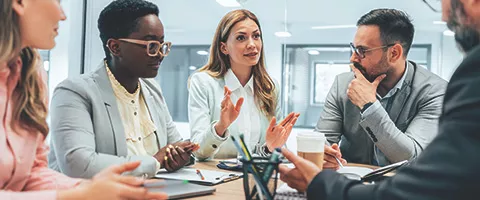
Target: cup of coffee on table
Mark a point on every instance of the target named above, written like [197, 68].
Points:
[311, 146]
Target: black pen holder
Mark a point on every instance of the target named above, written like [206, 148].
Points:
[256, 178]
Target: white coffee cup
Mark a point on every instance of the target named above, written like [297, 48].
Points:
[311, 146]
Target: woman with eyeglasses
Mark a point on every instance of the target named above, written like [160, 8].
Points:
[117, 113]
[25, 26]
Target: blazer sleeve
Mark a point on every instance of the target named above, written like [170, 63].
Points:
[398, 145]
[43, 182]
[43, 178]
[73, 137]
[331, 118]
[201, 125]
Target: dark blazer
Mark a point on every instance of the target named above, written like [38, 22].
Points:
[449, 168]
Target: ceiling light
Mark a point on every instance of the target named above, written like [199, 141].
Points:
[202, 52]
[313, 52]
[333, 27]
[193, 68]
[283, 34]
[448, 33]
[439, 22]
[228, 3]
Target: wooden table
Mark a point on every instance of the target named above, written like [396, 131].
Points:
[233, 190]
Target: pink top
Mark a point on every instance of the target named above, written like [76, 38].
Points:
[24, 173]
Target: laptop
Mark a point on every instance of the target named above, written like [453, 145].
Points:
[176, 189]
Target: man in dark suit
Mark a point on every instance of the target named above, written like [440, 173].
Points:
[449, 168]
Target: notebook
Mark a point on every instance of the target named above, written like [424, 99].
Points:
[211, 177]
[180, 189]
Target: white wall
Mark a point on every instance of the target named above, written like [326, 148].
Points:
[450, 57]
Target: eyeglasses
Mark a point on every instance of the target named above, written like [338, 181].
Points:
[154, 47]
[360, 51]
[435, 5]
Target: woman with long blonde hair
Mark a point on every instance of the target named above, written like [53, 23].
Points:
[26, 25]
[236, 71]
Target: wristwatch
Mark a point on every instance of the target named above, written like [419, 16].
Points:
[366, 106]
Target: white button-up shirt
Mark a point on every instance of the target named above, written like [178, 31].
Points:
[249, 116]
[204, 100]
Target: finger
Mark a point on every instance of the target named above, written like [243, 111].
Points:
[287, 119]
[330, 151]
[129, 180]
[171, 158]
[185, 156]
[330, 159]
[239, 104]
[378, 80]
[225, 90]
[288, 130]
[129, 192]
[337, 148]
[224, 102]
[156, 195]
[119, 169]
[293, 121]
[284, 169]
[175, 155]
[272, 124]
[189, 148]
[197, 147]
[357, 72]
[296, 160]
[168, 164]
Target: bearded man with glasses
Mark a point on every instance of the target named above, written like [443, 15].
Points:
[117, 113]
[448, 167]
[387, 109]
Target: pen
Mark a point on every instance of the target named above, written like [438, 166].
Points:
[200, 174]
[338, 161]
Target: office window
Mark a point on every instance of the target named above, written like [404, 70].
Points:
[45, 55]
[325, 74]
[173, 76]
[310, 71]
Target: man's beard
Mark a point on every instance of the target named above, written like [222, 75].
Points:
[380, 65]
[466, 36]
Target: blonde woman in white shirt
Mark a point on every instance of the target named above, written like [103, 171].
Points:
[236, 71]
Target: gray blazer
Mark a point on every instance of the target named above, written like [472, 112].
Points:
[87, 133]
[400, 133]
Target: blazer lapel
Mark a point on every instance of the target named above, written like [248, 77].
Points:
[150, 102]
[402, 95]
[106, 90]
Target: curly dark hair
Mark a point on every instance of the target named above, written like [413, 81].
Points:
[120, 18]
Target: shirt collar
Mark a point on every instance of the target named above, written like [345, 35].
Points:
[399, 84]
[232, 82]
[120, 91]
